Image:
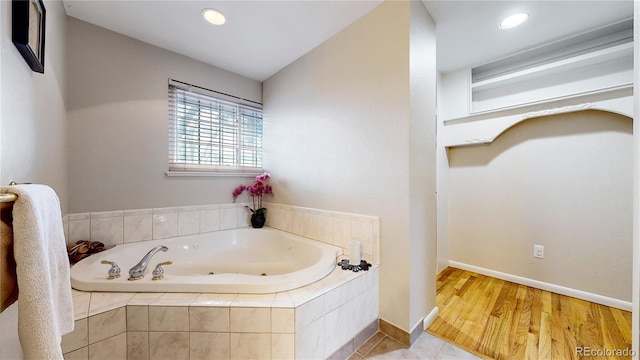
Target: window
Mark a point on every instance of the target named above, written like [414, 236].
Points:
[211, 132]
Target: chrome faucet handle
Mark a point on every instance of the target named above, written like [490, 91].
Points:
[114, 272]
[137, 272]
[158, 272]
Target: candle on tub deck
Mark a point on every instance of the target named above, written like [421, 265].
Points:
[355, 253]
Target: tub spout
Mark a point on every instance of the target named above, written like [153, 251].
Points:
[137, 272]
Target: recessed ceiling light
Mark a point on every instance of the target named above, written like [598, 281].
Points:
[513, 21]
[214, 16]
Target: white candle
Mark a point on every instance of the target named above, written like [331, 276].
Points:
[355, 253]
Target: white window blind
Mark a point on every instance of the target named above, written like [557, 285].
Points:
[212, 133]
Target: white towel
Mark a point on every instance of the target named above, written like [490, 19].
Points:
[45, 306]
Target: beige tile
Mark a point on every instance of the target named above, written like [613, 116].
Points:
[311, 227]
[176, 302]
[250, 346]
[341, 232]
[336, 297]
[330, 282]
[362, 231]
[144, 299]
[208, 319]
[175, 299]
[298, 219]
[310, 341]
[254, 320]
[282, 346]
[137, 345]
[112, 348]
[221, 300]
[373, 277]
[204, 346]
[283, 320]
[168, 318]
[107, 324]
[358, 313]
[282, 300]
[325, 229]
[309, 312]
[179, 296]
[137, 318]
[81, 301]
[253, 300]
[80, 354]
[336, 334]
[169, 345]
[141, 296]
[78, 338]
[103, 301]
[304, 294]
[357, 285]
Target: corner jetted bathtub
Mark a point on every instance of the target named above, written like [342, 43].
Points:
[244, 260]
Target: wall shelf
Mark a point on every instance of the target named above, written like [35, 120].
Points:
[485, 127]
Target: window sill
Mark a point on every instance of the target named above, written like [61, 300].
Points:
[236, 173]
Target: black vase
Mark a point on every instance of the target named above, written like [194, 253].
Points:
[258, 220]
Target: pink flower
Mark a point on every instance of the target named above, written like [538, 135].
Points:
[264, 177]
[237, 191]
[257, 189]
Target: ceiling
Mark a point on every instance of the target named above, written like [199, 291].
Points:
[468, 33]
[263, 36]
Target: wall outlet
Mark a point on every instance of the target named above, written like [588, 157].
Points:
[538, 251]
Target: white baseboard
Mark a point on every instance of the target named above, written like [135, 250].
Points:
[579, 294]
[430, 318]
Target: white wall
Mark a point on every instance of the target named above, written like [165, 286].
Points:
[422, 180]
[34, 129]
[338, 137]
[32, 126]
[562, 181]
[118, 116]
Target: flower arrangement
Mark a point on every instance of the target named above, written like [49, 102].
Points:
[257, 189]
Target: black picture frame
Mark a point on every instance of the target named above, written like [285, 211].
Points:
[28, 31]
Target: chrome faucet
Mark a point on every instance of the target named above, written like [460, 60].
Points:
[137, 272]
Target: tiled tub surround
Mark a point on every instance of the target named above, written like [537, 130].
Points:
[327, 319]
[127, 226]
[330, 318]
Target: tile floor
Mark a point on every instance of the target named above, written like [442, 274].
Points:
[381, 346]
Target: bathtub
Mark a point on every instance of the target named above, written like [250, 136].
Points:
[245, 260]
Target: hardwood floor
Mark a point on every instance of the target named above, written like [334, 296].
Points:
[501, 320]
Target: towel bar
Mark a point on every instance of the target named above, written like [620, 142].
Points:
[8, 198]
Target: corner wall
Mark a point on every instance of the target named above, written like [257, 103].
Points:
[422, 155]
[118, 116]
[561, 181]
[338, 136]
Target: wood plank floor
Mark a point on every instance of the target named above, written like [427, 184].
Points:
[497, 319]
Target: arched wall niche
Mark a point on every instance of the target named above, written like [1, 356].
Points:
[607, 114]
[485, 128]
[562, 180]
